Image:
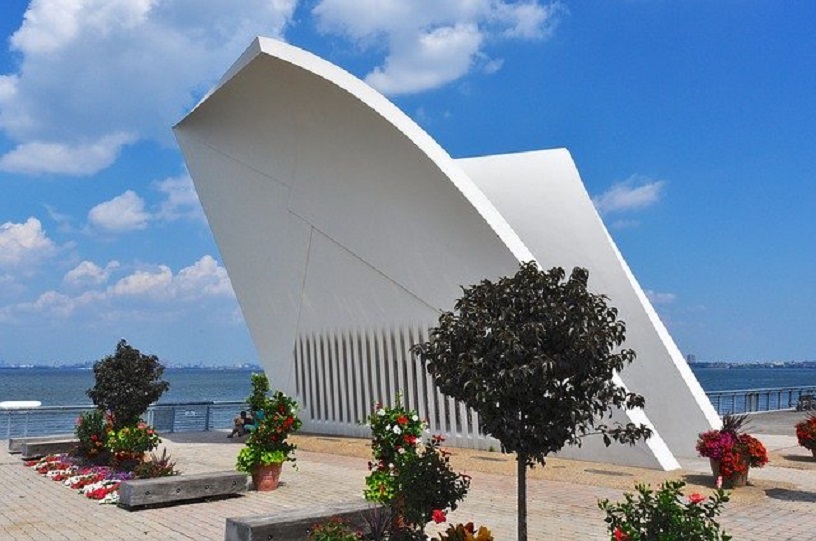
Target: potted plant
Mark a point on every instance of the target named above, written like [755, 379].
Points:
[267, 447]
[731, 451]
[806, 433]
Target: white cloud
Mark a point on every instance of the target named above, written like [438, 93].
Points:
[22, 244]
[432, 42]
[181, 199]
[634, 193]
[155, 283]
[122, 213]
[660, 298]
[205, 278]
[89, 273]
[78, 160]
[93, 70]
[427, 60]
[147, 293]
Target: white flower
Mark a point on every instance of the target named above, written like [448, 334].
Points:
[380, 412]
[415, 417]
[397, 429]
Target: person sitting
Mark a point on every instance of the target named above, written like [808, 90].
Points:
[241, 425]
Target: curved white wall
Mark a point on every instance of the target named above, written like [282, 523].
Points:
[345, 227]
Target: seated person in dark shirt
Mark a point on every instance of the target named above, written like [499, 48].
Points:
[241, 425]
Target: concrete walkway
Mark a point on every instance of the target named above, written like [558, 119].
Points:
[33, 508]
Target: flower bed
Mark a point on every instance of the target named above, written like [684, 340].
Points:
[99, 483]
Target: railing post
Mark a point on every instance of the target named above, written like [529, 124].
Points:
[207, 418]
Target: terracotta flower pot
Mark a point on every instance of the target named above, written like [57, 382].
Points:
[736, 480]
[265, 478]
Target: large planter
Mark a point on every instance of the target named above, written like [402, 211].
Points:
[737, 480]
[265, 478]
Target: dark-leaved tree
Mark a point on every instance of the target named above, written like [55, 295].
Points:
[127, 382]
[534, 355]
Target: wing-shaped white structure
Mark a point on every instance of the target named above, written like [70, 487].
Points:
[346, 229]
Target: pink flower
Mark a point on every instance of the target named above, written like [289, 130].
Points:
[438, 516]
[696, 498]
[719, 481]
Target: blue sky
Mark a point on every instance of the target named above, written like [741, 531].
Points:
[693, 125]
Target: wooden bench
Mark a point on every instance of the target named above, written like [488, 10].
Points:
[15, 445]
[39, 448]
[166, 490]
[294, 524]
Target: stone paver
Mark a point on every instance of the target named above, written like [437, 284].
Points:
[33, 508]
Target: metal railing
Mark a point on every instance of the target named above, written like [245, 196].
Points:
[165, 417]
[753, 400]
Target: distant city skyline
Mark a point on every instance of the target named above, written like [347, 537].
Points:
[691, 123]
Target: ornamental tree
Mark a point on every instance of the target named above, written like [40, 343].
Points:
[127, 382]
[534, 356]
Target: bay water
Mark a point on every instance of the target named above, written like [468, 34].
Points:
[66, 387]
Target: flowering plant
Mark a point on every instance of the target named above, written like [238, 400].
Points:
[334, 529]
[735, 451]
[414, 478]
[466, 532]
[99, 483]
[665, 514]
[91, 430]
[806, 432]
[268, 444]
[141, 438]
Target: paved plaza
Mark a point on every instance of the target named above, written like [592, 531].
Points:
[33, 508]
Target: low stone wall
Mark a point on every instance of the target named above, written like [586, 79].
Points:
[294, 525]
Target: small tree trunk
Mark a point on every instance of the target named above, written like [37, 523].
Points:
[522, 497]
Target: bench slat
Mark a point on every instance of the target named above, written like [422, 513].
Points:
[294, 524]
[38, 449]
[162, 490]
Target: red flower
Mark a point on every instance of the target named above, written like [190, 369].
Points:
[620, 535]
[409, 440]
[402, 419]
[696, 498]
[438, 516]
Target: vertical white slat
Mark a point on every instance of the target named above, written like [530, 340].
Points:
[313, 400]
[322, 378]
[410, 367]
[359, 387]
[475, 424]
[423, 397]
[300, 371]
[390, 365]
[296, 357]
[351, 393]
[334, 358]
[365, 361]
[382, 367]
[342, 384]
[401, 362]
[436, 421]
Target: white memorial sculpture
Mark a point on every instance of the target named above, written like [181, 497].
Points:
[346, 229]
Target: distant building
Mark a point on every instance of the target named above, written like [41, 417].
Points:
[346, 229]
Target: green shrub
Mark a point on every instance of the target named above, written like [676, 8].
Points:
[665, 515]
[91, 431]
[157, 466]
[126, 384]
[334, 529]
[415, 479]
